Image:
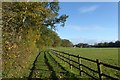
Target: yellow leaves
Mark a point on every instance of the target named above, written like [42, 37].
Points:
[9, 48]
[7, 45]
[12, 56]
[6, 62]
[14, 45]
[32, 14]
[6, 42]
[40, 8]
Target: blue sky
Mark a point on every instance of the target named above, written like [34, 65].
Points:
[89, 22]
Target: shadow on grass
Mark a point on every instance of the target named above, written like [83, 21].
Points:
[67, 74]
[53, 74]
[32, 69]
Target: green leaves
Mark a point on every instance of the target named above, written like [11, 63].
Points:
[66, 43]
[27, 27]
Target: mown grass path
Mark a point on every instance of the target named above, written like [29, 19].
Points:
[46, 67]
[40, 69]
[50, 67]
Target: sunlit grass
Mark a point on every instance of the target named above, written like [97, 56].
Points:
[106, 55]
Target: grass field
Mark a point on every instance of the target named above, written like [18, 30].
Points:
[50, 66]
[106, 55]
[47, 65]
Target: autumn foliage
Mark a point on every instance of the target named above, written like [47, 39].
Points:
[27, 29]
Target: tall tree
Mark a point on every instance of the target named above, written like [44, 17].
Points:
[29, 26]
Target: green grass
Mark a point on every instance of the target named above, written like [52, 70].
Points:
[46, 67]
[50, 66]
[41, 69]
[60, 67]
[106, 55]
[71, 73]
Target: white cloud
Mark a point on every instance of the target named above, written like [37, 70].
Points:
[88, 9]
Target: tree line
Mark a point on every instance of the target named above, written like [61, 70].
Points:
[21, 18]
[108, 44]
[28, 27]
[99, 45]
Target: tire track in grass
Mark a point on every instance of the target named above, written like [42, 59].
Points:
[40, 69]
[63, 73]
[46, 67]
[53, 74]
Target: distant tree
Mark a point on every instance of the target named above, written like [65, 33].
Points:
[117, 43]
[111, 44]
[108, 44]
[82, 45]
[100, 45]
[66, 43]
